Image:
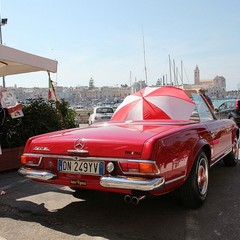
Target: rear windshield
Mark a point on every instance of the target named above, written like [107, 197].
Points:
[104, 110]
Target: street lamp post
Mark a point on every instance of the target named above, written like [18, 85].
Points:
[3, 21]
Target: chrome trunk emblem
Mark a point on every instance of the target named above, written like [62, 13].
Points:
[80, 144]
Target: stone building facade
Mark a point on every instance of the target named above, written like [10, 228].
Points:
[215, 88]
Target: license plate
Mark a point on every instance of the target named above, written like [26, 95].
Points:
[83, 167]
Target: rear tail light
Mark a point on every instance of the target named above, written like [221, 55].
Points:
[141, 167]
[30, 160]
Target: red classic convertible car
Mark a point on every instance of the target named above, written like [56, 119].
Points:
[159, 140]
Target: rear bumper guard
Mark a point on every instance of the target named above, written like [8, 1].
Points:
[36, 174]
[132, 183]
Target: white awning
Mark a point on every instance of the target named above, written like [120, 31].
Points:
[13, 61]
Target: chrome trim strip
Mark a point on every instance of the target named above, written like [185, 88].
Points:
[175, 179]
[132, 183]
[78, 151]
[220, 156]
[77, 158]
[36, 174]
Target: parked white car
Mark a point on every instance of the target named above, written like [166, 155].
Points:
[100, 114]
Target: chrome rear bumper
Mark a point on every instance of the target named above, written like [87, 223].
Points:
[36, 174]
[132, 183]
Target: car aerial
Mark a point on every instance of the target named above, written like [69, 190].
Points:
[229, 109]
[100, 114]
[159, 140]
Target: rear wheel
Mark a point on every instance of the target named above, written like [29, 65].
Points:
[232, 158]
[194, 191]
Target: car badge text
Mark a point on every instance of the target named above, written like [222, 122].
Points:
[41, 149]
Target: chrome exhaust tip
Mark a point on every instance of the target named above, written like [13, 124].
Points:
[135, 200]
[127, 199]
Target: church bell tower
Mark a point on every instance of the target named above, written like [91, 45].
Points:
[196, 76]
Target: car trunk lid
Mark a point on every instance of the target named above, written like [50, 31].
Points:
[101, 140]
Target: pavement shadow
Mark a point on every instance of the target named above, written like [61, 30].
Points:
[106, 215]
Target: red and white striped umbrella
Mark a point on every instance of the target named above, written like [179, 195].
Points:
[155, 103]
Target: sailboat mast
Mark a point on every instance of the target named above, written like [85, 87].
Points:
[170, 69]
[182, 72]
[131, 85]
[144, 56]
[174, 72]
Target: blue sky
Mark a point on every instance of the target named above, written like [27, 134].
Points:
[103, 39]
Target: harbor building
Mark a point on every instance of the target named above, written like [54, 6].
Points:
[215, 88]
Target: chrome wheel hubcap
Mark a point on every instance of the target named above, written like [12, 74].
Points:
[236, 149]
[202, 176]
